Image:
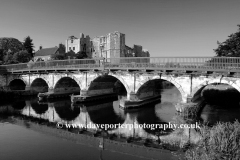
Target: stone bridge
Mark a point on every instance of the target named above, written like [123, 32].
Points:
[137, 85]
[140, 78]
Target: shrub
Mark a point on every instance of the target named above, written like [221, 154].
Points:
[221, 141]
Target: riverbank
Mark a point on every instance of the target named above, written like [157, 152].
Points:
[218, 142]
[101, 141]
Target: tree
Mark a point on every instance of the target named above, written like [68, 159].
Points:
[61, 48]
[58, 57]
[10, 44]
[71, 55]
[28, 45]
[1, 54]
[8, 58]
[230, 47]
[21, 57]
[81, 55]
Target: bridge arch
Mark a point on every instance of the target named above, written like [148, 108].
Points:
[166, 78]
[121, 80]
[17, 84]
[109, 79]
[67, 84]
[77, 80]
[223, 81]
[39, 85]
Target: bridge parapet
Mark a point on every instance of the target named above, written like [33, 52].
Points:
[231, 64]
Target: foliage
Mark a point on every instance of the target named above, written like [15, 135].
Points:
[70, 54]
[58, 57]
[12, 50]
[230, 47]
[81, 55]
[222, 141]
[10, 45]
[61, 48]
[21, 56]
[8, 59]
[28, 45]
[2, 53]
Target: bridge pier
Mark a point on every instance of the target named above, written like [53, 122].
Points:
[58, 92]
[91, 95]
[27, 88]
[133, 101]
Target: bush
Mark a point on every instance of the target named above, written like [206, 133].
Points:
[222, 141]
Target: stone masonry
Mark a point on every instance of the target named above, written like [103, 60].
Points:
[187, 84]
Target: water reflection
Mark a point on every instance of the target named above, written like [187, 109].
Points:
[65, 111]
[38, 108]
[221, 104]
[18, 105]
[212, 114]
[103, 113]
[144, 118]
[108, 112]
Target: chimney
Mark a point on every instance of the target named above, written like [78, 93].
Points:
[81, 35]
[40, 47]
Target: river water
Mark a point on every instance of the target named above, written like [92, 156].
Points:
[26, 131]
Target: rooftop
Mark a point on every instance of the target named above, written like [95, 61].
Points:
[46, 51]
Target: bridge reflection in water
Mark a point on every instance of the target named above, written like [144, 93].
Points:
[85, 114]
[104, 113]
[108, 112]
[89, 115]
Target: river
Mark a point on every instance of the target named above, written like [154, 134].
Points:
[28, 128]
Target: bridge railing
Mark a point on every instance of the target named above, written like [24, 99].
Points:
[199, 63]
[71, 63]
[178, 63]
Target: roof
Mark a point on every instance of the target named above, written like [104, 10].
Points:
[128, 47]
[72, 37]
[46, 51]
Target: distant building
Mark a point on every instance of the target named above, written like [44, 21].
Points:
[136, 51]
[82, 44]
[111, 45]
[44, 54]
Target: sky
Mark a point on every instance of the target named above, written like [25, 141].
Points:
[167, 28]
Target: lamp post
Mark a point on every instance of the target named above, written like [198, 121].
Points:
[101, 48]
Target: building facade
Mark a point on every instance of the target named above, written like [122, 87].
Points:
[45, 54]
[82, 44]
[111, 45]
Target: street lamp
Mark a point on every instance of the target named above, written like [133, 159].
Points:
[101, 48]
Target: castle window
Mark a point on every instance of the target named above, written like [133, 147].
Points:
[69, 48]
[71, 41]
[73, 48]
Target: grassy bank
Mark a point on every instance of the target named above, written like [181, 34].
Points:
[221, 141]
